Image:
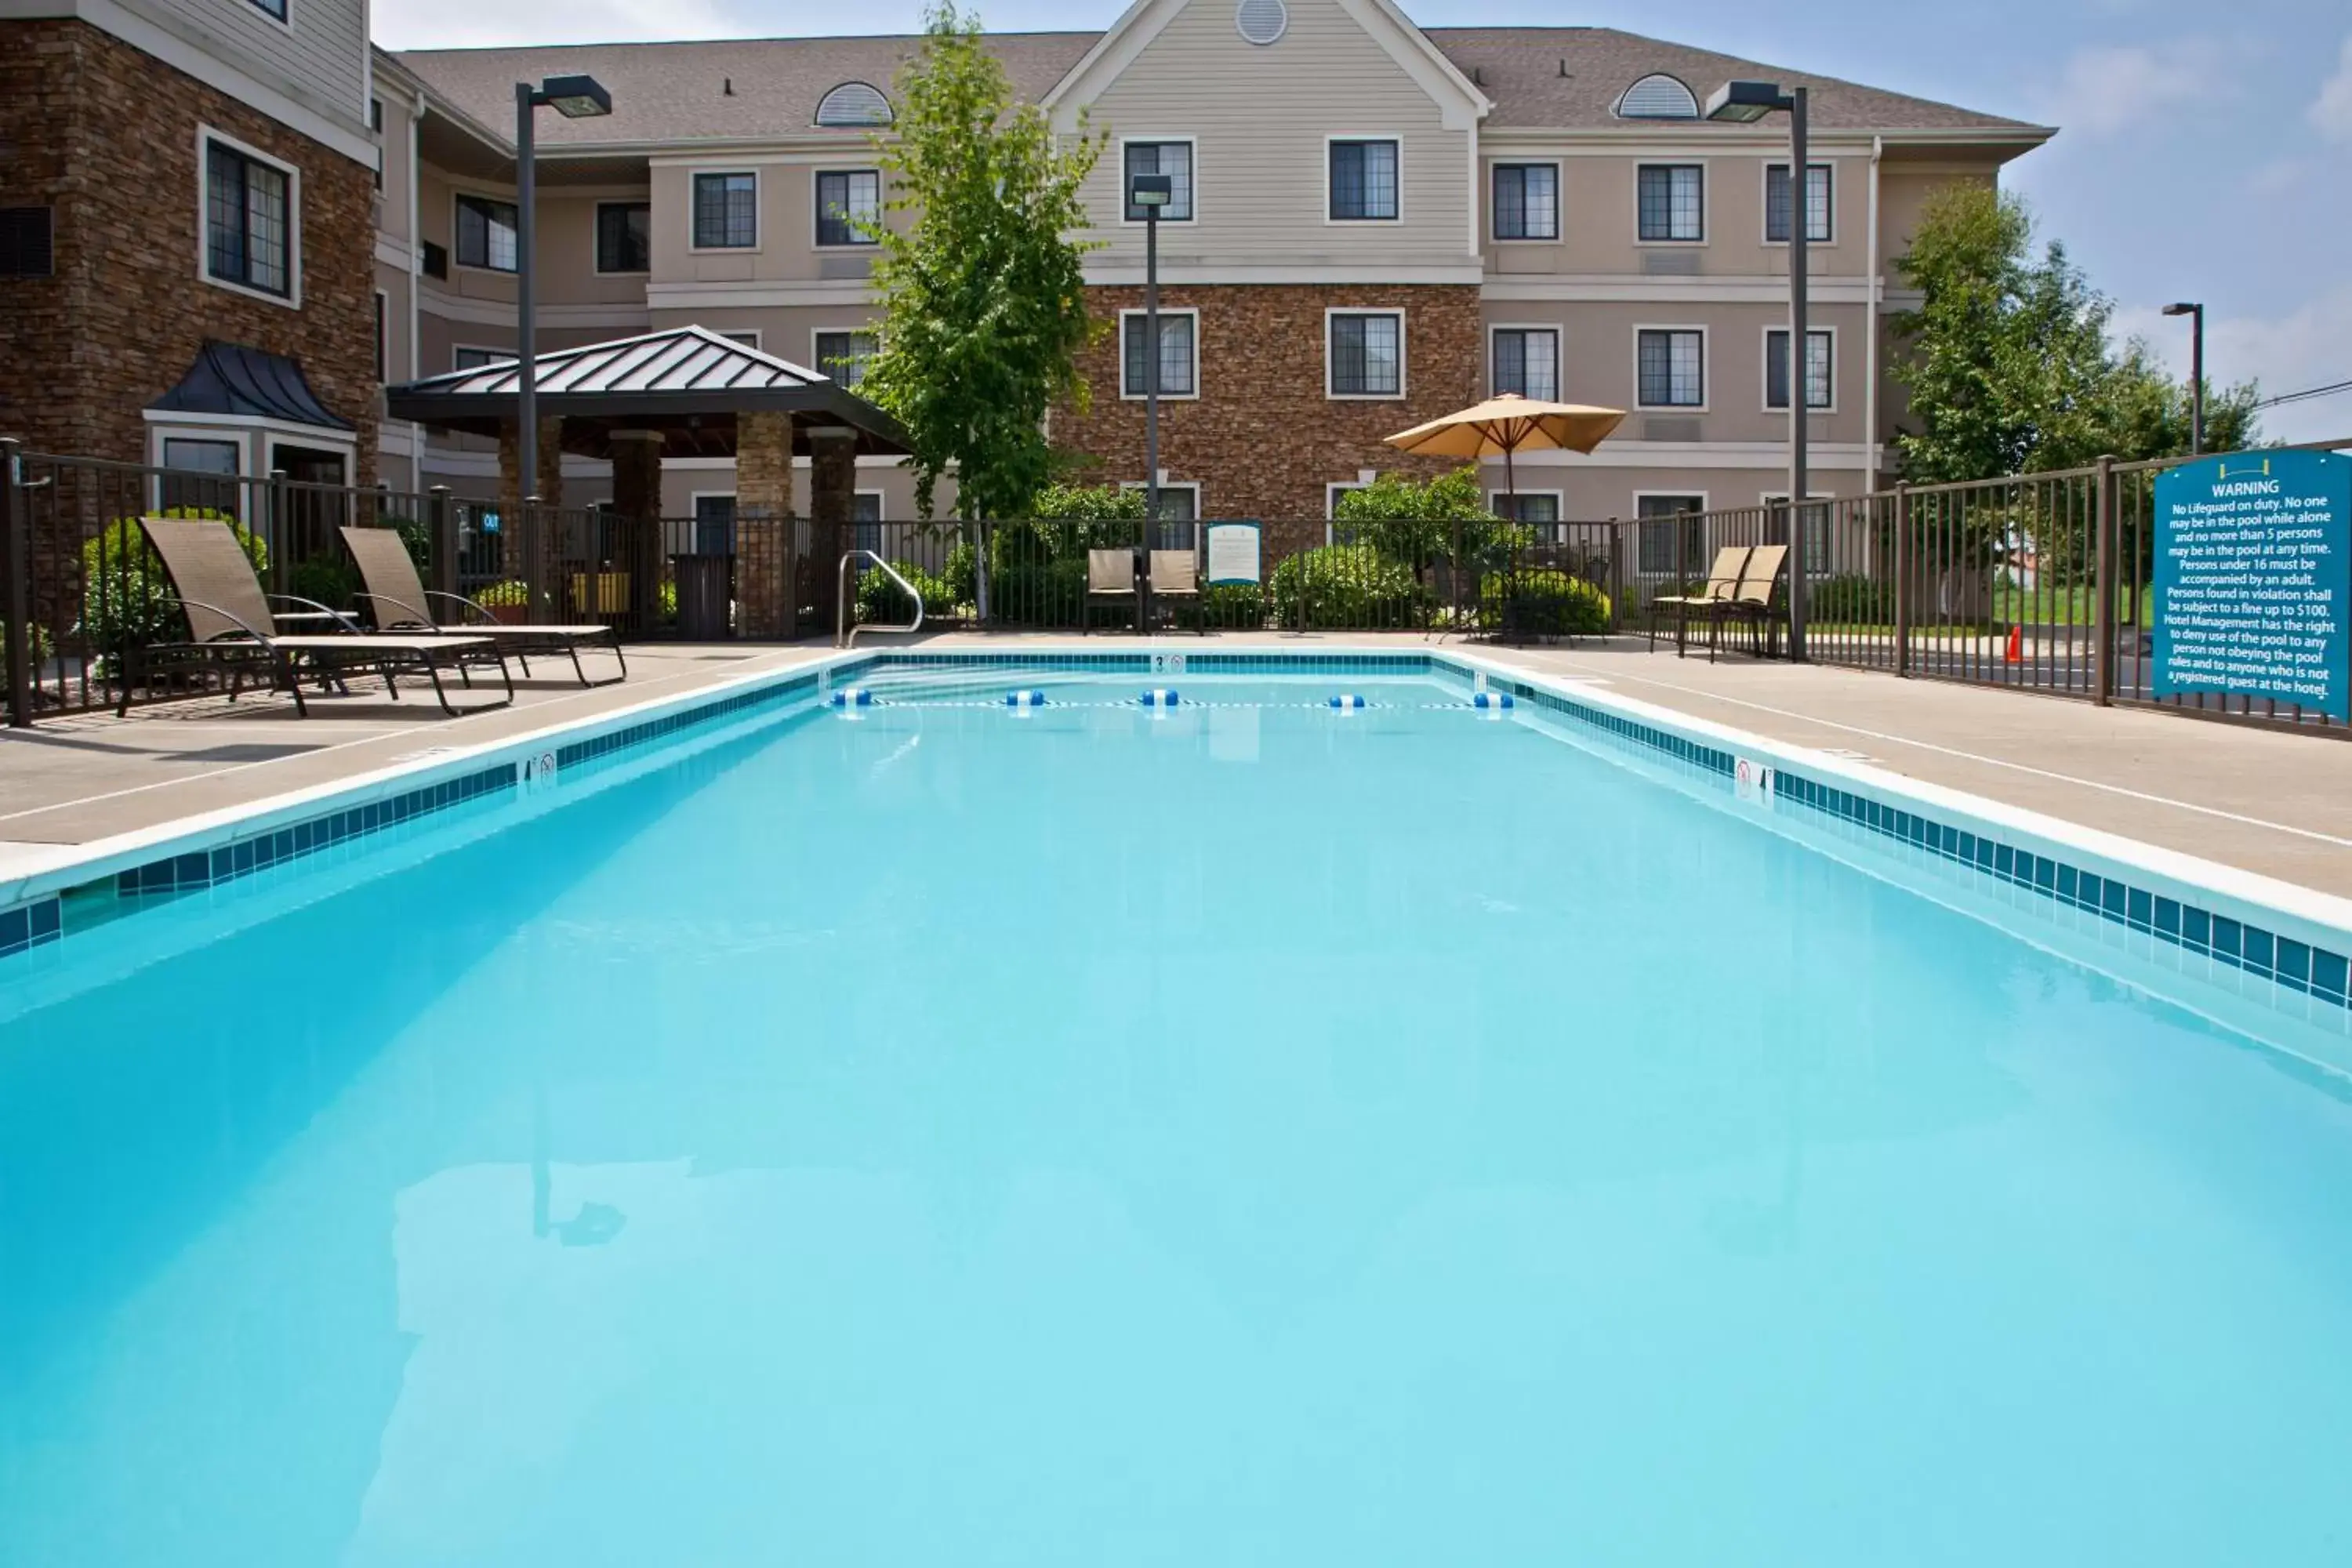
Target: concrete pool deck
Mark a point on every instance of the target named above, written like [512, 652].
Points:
[2273, 804]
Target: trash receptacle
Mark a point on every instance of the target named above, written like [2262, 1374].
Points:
[703, 584]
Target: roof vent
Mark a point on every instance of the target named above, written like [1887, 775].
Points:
[1657, 97]
[854, 103]
[1261, 21]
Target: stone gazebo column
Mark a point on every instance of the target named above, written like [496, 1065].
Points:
[637, 502]
[832, 503]
[763, 512]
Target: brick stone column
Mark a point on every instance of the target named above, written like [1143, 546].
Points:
[833, 500]
[764, 511]
[636, 500]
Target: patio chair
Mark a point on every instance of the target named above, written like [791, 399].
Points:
[231, 626]
[1755, 601]
[1722, 579]
[1176, 578]
[1110, 577]
[399, 601]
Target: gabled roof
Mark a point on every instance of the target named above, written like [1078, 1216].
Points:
[683, 373]
[724, 90]
[1570, 78]
[249, 383]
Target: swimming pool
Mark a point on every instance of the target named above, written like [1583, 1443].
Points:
[1251, 1130]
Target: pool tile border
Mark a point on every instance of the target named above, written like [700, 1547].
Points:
[2302, 968]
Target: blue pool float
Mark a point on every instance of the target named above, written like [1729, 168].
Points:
[1347, 702]
[1031, 699]
[1158, 697]
[1491, 699]
[853, 697]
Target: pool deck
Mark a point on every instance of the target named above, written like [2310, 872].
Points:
[2278, 805]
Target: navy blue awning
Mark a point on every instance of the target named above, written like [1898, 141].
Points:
[231, 378]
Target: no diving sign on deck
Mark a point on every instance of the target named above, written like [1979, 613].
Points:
[2253, 566]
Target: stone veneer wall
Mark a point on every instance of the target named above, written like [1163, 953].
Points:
[1263, 440]
[106, 135]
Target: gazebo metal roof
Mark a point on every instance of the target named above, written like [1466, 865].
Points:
[687, 382]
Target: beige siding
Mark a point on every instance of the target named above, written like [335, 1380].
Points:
[1260, 119]
[787, 250]
[318, 55]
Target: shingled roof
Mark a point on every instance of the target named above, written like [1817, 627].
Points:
[756, 89]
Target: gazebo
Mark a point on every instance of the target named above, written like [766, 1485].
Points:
[683, 392]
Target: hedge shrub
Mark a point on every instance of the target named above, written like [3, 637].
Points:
[1542, 604]
[126, 593]
[1347, 586]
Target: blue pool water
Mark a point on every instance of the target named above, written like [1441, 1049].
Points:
[1249, 1134]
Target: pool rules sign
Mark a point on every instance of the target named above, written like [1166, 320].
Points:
[2253, 566]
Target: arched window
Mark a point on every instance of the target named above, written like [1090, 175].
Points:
[1657, 97]
[854, 103]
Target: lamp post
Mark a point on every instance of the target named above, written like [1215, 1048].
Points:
[1742, 102]
[1151, 192]
[574, 98]
[2196, 313]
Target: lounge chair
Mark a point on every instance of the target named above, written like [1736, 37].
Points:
[1754, 602]
[1176, 577]
[231, 626]
[402, 602]
[1110, 577]
[1722, 581]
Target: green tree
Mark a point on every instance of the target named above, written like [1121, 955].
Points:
[1418, 522]
[2009, 366]
[983, 293]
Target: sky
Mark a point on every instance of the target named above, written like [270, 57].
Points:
[2204, 153]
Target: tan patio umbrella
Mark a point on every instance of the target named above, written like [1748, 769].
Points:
[1508, 424]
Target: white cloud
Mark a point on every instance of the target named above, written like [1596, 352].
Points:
[2308, 346]
[470, 24]
[2103, 91]
[2331, 111]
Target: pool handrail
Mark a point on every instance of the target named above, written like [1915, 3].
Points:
[845, 633]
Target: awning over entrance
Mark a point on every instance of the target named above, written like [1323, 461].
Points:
[247, 383]
[686, 383]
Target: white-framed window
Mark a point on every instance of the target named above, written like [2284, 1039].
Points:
[624, 236]
[865, 506]
[1179, 355]
[1180, 499]
[1670, 204]
[1363, 353]
[375, 124]
[726, 214]
[848, 203]
[1168, 155]
[1366, 180]
[1525, 360]
[1670, 521]
[1815, 521]
[276, 11]
[748, 336]
[469, 356]
[854, 103]
[1540, 508]
[1527, 201]
[1331, 494]
[843, 352]
[1819, 228]
[383, 329]
[251, 219]
[487, 230]
[1821, 360]
[1670, 367]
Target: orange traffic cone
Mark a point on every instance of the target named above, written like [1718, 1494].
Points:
[2016, 650]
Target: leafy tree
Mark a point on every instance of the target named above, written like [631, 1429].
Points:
[1418, 522]
[984, 299]
[2011, 369]
[1088, 503]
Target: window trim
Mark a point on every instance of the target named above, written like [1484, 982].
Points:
[1705, 372]
[1558, 203]
[1705, 504]
[206, 135]
[1395, 139]
[881, 503]
[1165, 310]
[1768, 499]
[815, 359]
[456, 348]
[282, 18]
[1405, 360]
[1197, 518]
[1704, 185]
[457, 199]
[596, 239]
[1558, 349]
[737, 335]
[1558, 497]
[1764, 368]
[1190, 140]
[759, 211]
[383, 337]
[816, 206]
[1764, 202]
